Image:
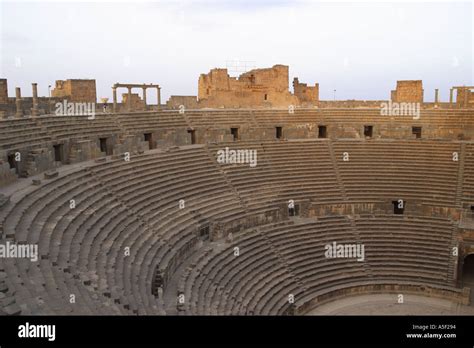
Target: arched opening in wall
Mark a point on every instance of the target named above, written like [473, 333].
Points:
[468, 275]
[149, 138]
[265, 97]
[12, 162]
[104, 147]
[294, 210]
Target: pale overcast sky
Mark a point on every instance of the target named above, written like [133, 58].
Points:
[359, 49]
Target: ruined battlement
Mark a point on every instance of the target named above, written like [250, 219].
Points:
[266, 87]
[306, 94]
[76, 90]
[3, 91]
[408, 91]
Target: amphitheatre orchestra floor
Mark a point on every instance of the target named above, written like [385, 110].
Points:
[386, 304]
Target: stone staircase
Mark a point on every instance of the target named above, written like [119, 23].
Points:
[336, 171]
[460, 179]
[227, 180]
[356, 234]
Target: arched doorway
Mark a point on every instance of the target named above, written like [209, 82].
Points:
[468, 275]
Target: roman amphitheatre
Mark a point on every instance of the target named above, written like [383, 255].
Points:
[131, 213]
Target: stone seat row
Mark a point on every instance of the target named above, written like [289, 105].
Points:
[95, 195]
[289, 259]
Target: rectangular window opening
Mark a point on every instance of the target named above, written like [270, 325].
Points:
[398, 207]
[58, 152]
[368, 131]
[192, 133]
[11, 161]
[416, 131]
[322, 132]
[235, 133]
[279, 132]
[295, 211]
[103, 145]
[149, 139]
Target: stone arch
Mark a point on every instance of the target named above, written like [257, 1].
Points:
[467, 274]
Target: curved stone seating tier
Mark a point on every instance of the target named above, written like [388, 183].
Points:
[127, 224]
[439, 118]
[79, 127]
[271, 117]
[221, 284]
[20, 133]
[221, 118]
[315, 170]
[119, 205]
[284, 171]
[395, 170]
[38, 132]
[468, 183]
[283, 259]
[149, 121]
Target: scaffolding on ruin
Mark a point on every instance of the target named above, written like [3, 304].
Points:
[239, 66]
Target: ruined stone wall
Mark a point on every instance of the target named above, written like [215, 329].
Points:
[45, 106]
[350, 130]
[217, 79]
[7, 175]
[464, 98]
[189, 102]
[255, 88]
[249, 99]
[393, 95]
[271, 79]
[3, 91]
[76, 90]
[307, 95]
[137, 102]
[410, 91]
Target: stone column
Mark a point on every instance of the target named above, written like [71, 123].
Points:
[34, 110]
[158, 91]
[451, 98]
[144, 96]
[129, 101]
[436, 96]
[114, 93]
[466, 97]
[3, 91]
[19, 112]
